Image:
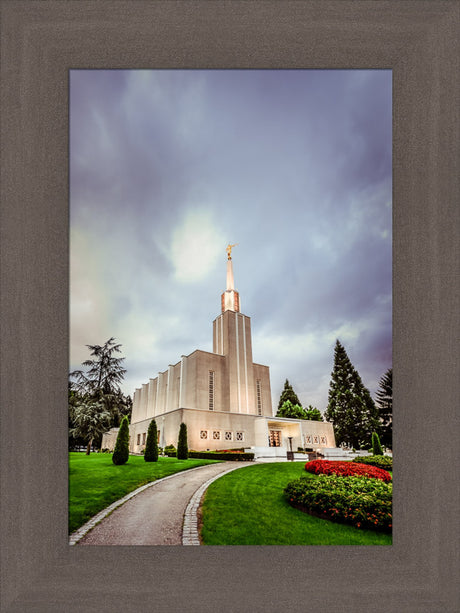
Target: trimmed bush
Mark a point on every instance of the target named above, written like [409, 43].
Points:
[182, 445]
[151, 445]
[376, 446]
[212, 455]
[380, 461]
[346, 469]
[121, 451]
[359, 501]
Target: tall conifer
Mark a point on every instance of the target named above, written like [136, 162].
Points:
[384, 402]
[350, 405]
[121, 451]
[288, 394]
[182, 445]
[151, 444]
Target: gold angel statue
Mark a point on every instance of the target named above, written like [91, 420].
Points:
[229, 250]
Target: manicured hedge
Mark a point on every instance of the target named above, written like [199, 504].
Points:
[379, 461]
[346, 469]
[359, 501]
[210, 455]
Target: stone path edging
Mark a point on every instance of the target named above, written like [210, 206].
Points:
[190, 534]
[80, 533]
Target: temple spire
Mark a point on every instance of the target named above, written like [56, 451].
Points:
[230, 298]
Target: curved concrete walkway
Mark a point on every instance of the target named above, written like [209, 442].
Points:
[162, 513]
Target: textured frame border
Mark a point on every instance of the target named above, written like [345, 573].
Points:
[40, 41]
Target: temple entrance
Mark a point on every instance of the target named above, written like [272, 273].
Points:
[274, 438]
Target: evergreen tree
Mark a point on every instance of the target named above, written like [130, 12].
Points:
[376, 446]
[288, 409]
[101, 380]
[90, 420]
[151, 445]
[121, 451]
[288, 394]
[350, 405]
[384, 402]
[182, 445]
[313, 414]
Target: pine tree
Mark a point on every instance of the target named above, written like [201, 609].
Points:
[350, 405]
[288, 394]
[376, 446]
[182, 445]
[151, 445]
[121, 451]
[101, 380]
[89, 421]
[384, 402]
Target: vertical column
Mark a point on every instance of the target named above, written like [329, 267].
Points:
[170, 394]
[238, 378]
[151, 398]
[182, 382]
[136, 405]
[161, 393]
[145, 398]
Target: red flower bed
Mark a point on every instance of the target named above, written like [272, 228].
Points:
[346, 469]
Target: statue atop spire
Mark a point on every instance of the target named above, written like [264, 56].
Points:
[229, 250]
[230, 298]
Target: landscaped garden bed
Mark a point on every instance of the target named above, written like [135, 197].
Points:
[248, 507]
[346, 469]
[379, 461]
[360, 501]
[232, 455]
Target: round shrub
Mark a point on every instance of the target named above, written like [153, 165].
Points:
[359, 501]
[346, 469]
[379, 461]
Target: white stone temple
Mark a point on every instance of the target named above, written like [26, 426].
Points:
[223, 397]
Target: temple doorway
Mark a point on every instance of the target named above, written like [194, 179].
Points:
[274, 438]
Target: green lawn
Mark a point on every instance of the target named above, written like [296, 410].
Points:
[247, 507]
[95, 482]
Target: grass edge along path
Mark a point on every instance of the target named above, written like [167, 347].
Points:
[95, 482]
[248, 507]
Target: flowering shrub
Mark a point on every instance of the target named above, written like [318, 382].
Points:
[380, 461]
[346, 469]
[359, 501]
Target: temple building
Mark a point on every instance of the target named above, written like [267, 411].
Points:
[223, 397]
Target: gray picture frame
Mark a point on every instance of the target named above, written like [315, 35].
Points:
[41, 41]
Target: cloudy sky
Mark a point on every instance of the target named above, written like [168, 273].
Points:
[167, 167]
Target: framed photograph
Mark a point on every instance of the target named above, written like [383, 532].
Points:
[41, 44]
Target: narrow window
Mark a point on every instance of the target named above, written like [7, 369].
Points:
[138, 439]
[259, 397]
[143, 438]
[211, 390]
